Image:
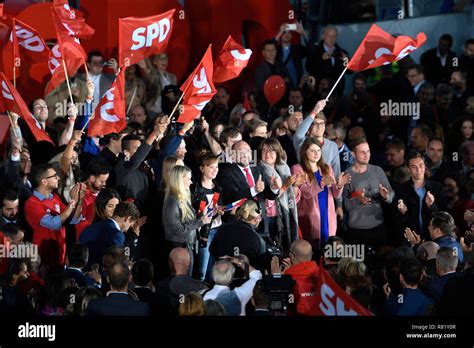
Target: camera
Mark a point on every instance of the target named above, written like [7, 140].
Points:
[278, 289]
[291, 27]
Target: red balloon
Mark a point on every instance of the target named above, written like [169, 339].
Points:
[274, 89]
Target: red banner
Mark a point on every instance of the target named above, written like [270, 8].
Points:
[141, 37]
[232, 59]
[109, 115]
[11, 100]
[198, 89]
[68, 49]
[333, 301]
[380, 48]
[74, 19]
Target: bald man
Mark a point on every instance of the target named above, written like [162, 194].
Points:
[426, 253]
[305, 273]
[328, 58]
[180, 283]
[138, 114]
[245, 179]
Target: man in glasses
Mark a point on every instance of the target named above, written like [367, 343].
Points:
[46, 214]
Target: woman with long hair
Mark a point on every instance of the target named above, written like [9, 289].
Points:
[105, 204]
[282, 214]
[318, 188]
[204, 190]
[180, 221]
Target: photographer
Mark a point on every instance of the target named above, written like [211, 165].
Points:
[304, 272]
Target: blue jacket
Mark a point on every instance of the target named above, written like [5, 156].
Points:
[449, 242]
[117, 304]
[99, 236]
[409, 302]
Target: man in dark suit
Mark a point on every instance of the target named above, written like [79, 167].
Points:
[446, 264]
[77, 258]
[103, 234]
[435, 161]
[142, 274]
[457, 293]
[438, 61]
[102, 81]
[117, 302]
[327, 59]
[242, 180]
[418, 198]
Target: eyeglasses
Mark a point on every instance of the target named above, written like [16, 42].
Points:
[319, 124]
[265, 150]
[55, 175]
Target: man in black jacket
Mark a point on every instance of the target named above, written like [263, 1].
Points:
[328, 58]
[438, 61]
[243, 179]
[118, 302]
[418, 198]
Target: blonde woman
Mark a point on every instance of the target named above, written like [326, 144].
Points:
[179, 217]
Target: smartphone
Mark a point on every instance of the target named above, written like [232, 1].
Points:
[291, 26]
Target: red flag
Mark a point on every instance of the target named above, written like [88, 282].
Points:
[380, 48]
[74, 19]
[109, 115]
[232, 59]
[198, 89]
[68, 48]
[1, 9]
[11, 100]
[246, 105]
[333, 301]
[140, 37]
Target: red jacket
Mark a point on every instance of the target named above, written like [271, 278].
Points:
[51, 243]
[88, 205]
[305, 274]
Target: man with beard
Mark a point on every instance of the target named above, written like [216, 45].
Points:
[98, 173]
[10, 207]
[47, 214]
[17, 168]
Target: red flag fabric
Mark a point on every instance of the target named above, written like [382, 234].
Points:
[68, 48]
[74, 19]
[333, 301]
[198, 89]
[380, 48]
[1, 9]
[11, 100]
[140, 37]
[232, 59]
[246, 105]
[109, 115]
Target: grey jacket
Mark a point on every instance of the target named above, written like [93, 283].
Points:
[175, 229]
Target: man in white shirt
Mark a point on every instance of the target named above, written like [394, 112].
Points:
[222, 274]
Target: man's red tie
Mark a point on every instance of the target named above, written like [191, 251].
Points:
[249, 177]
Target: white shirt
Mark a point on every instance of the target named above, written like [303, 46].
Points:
[243, 292]
[442, 58]
[116, 224]
[253, 191]
[330, 50]
[417, 87]
[96, 80]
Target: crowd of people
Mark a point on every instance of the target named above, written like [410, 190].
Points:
[168, 219]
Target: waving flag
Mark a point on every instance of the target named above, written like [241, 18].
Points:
[109, 115]
[68, 48]
[331, 300]
[198, 89]
[234, 205]
[380, 48]
[141, 37]
[232, 59]
[74, 19]
[28, 50]
[11, 100]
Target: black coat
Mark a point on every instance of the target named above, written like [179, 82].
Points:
[238, 237]
[434, 72]
[117, 304]
[410, 219]
[297, 54]
[456, 296]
